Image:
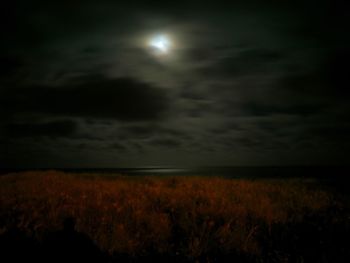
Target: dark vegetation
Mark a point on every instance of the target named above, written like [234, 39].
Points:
[57, 217]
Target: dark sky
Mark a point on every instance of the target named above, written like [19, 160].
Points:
[249, 83]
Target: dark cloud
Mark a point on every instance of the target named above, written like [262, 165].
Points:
[149, 130]
[266, 109]
[118, 146]
[246, 82]
[188, 92]
[9, 66]
[326, 81]
[139, 130]
[337, 72]
[166, 142]
[246, 61]
[332, 131]
[51, 129]
[121, 99]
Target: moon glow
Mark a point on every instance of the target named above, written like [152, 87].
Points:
[160, 44]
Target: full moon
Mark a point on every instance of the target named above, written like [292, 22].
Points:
[161, 44]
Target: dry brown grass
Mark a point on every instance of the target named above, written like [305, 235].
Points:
[190, 216]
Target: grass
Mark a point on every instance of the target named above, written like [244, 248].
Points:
[194, 219]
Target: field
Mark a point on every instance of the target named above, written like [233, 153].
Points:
[173, 219]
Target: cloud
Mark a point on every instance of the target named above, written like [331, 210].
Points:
[245, 61]
[64, 128]
[338, 72]
[265, 109]
[51, 129]
[118, 146]
[331, 131]
[242, 80]
[166, 142]
[8, 66]
[122, 99]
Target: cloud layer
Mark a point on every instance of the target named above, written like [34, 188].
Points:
[246, 84]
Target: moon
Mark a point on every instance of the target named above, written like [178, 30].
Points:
[160, 44]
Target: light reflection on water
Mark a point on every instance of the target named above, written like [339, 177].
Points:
[161, 170]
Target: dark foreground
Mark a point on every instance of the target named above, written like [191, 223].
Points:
[56, 217]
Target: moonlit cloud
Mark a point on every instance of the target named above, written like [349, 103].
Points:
[174, 84]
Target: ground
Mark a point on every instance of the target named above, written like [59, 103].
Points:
[180, 219]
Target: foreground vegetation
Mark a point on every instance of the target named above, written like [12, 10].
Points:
[194, 219]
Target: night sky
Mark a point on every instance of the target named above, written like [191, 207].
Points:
[249, 83]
